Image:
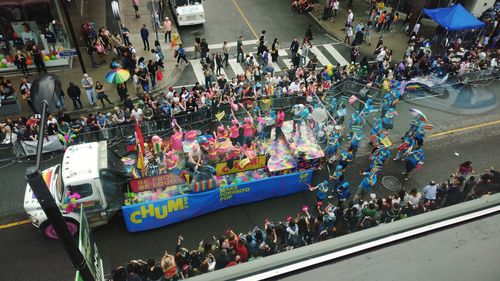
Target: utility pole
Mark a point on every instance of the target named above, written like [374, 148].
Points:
[50, 90]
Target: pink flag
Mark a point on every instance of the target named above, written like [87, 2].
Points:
[352, 99]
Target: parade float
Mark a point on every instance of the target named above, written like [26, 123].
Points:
[167, 188]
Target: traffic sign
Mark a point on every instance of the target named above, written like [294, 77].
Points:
[68, 53]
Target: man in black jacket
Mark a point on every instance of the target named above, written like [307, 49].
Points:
[294, 47]
[74, 93]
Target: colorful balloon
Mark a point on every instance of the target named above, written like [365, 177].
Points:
[46, 58]
[52, 57]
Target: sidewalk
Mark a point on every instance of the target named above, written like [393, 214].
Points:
[96, 12]
[396, 39]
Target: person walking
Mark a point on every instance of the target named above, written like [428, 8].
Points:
[308, 36]
[218, 62]
[239, 50]
[152, 68]
[74, 93]
[125, 33]
[181, 55]
[274, 50]
[294, 46]
[135, 4]
[303, 55]
[145, 36]
[225, 51]
[25, 88]
[20, 62]
[354, 54]
[348, 34]
[99, 89]
[167, 27]
[38, 59]
[415, 159]
[204, 49]
[88, 85]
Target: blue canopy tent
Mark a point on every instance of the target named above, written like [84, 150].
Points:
[455, 17]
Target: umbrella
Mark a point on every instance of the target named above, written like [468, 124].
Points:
[46, 87]
[117, 76]
[417, 113]
[319, 115]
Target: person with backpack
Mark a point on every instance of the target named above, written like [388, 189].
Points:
[180, 54]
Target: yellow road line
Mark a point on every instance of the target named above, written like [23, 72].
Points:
[245, 19]
[465, 128]
[12, 224]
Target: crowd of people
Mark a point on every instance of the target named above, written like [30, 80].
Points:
[309, 225]
[461, 55]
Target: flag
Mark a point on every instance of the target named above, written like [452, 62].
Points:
[139, 140]
[352, 99]
[386, 142]
[140, 160]
[220, 115]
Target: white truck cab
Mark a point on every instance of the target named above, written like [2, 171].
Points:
[92, 171]
[188, 12]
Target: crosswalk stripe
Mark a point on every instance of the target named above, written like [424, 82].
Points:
[236, 67]
[198, 70]
[336, 55]
[287, 62]
[219, 46]
[282, 53]
[321, 58]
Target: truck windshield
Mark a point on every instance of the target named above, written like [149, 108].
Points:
[114, 162]
[179, 3]
[113, 186]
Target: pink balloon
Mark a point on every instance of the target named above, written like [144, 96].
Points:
[234, 106]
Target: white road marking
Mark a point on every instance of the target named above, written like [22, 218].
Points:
[282, 53]
[219, 46]
[336, 55]
[236, 67]
[198, 70]
[321, 58]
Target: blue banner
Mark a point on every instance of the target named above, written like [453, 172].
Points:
[150, 215]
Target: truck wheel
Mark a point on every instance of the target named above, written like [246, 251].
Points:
[49, 231]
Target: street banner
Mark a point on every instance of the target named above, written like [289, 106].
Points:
[154, 182]
[150, 215]
[89, 250]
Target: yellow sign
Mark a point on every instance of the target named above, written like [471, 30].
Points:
[157, 211]
[242, 165]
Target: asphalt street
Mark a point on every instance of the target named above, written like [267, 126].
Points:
[465, 252]
[22, 246]
[226, 20]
